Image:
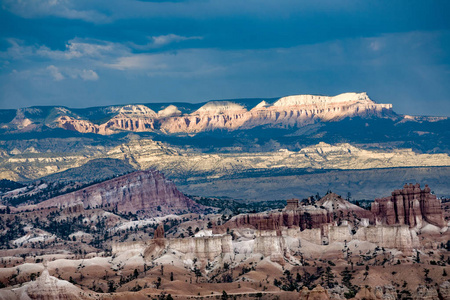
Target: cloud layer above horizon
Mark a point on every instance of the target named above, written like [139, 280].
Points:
[92, 53]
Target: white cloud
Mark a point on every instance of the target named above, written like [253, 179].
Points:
[163, 40]
[55, 73]
[172, 38]
[75, 49]
[58, 8]
[58, 74]
[139, 62]
[88, 75]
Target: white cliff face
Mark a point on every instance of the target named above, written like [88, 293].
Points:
[47, 287]
[323, 100]
[208, 247]
[169, 111]
[143, 154]
[204, 247]
[287, 112]
[137, 111]
[219, 107]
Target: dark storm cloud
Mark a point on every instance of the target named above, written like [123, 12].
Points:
[81, 53]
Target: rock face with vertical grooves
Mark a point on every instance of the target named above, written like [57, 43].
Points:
[286, 112]
[147, 192]
[410, 206]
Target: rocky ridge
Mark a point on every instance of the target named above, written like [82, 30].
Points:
[46, 287]
[188, 164]
[286, 112]
[145, 192]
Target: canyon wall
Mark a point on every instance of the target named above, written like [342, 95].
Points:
[208, 247]
[287, 112]
[411, 206]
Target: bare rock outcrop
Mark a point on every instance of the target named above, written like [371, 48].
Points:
[367, 293]
[411, 206]
[159, 232]
[46, 287]
[336, 220]
[287, 112]
[425, 293]
[396, 237]
[146, 192]
[330, 209]
[444, 290]
[342, 209]
[291, 111]
[274, 220]
[318, 293]
[207, 247]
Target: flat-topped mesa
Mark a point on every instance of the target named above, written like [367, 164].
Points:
[286, 112]
[146, 192]
[323, 100]
[411, 206]
[219, 107]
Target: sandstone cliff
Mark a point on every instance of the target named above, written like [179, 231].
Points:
[287, 112]
[146, 192]
[46, 287]
[330, 209]
[411, 206]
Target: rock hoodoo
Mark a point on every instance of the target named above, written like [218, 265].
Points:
[411, 206]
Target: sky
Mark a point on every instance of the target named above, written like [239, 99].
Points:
[81, 53]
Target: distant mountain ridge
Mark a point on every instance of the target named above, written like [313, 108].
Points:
[203, 145]
[168, 118]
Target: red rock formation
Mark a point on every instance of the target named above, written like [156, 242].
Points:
[317, 293]
[146, 192]
[330, 209]
[410, 206]
[136, 118]
[159, 232]
[275, 220]
[287, 112]
[341, 209]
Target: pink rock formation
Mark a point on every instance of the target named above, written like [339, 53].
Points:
[146, 192]
[287, 112]
[136, 118]
[410, 206]
[159, 232]
[317, 293]
[330, 209]
[275, 220]
[47, 287]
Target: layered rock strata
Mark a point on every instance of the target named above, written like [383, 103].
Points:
[291, 111]
[47, 287]
[330, 209]
[411, 206]
[135, 118]
[399, 237]
[207, 247]
[200, 247]
[146, 192]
